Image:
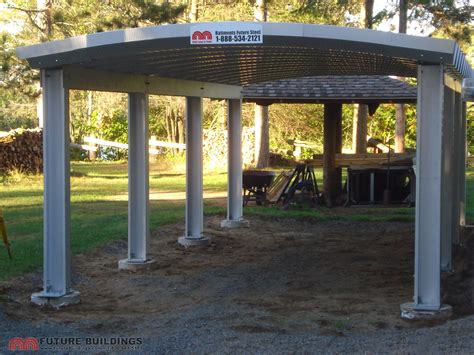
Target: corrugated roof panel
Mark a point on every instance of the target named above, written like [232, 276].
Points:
[286, 51]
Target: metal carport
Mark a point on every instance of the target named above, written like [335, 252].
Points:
[215, 60]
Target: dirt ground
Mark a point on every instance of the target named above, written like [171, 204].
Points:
[279, 276]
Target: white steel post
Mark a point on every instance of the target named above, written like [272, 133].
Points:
[138, 184]
[459, 178]
[234, 167]
[57, 254]
[194, 195]
[462, 164]
[429, 221]
[448, 178]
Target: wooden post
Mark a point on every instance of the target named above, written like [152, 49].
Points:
[262, 139]
[400, 121]
[400, 128]
[338, 170]
[332, 145]
[359, 130]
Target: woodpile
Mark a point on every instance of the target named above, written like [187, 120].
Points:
[22, 150]
[215, 147]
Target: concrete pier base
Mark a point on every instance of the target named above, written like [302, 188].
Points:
[42, 299]
[135, 265]
[192, 242]
[240, 223]
[408, 311]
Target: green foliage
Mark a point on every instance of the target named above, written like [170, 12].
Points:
[330, 12]
[382, 124]
[135, 13]
[94, 115]
[440, 18]
[18, 88]
[114, 127]
[241, 10]
[470, 129]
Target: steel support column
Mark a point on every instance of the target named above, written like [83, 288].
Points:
[459, 169]
[57, 254]
[448, 178]
[234, 167]
[429, 220]
[194, 195]
[138, 184]
[462, 164]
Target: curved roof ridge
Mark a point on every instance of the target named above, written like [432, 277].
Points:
[284, 50]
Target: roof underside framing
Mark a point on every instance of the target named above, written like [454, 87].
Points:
[287, 51]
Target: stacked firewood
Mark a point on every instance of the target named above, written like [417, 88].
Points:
[215, 147]
[22, 150]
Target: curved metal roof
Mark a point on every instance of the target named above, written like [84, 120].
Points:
[328, 88]
[287, 50]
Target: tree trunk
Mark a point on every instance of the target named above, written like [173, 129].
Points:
[332, 145]
[403, 11]
[39, 106]
[262, 141]
[46, 25]
[361, 112]
[168, 126]
[194, 11]
[260, 11]
[359, 129]
[181, 133]
[400, 128]
[400, 119]
[45, 19]
[367, 14]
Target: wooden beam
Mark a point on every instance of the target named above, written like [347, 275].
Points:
[365, 159]
[332, 145]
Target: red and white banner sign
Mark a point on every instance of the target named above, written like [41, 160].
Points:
[226, 33]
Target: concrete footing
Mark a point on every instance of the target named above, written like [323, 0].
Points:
[135, 265]
[409, 311]
[240, 223]
[192, 242]
[42, 299]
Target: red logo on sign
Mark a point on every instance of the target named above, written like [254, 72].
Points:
[202, 36]
[20, 344]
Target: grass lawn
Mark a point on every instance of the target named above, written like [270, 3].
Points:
[98, 216]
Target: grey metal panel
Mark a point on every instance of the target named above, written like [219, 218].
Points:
[289, 50]
[448, 179]
[57, 251]
[138, 178]
[194, 194]
[86, 79]
[429, 157]
[462, 164]
[234, 164]
[293, 31]
[459, 173]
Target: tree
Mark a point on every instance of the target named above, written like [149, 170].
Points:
[262, 133]
[361, 111]
[46, 20]
[400, 121]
